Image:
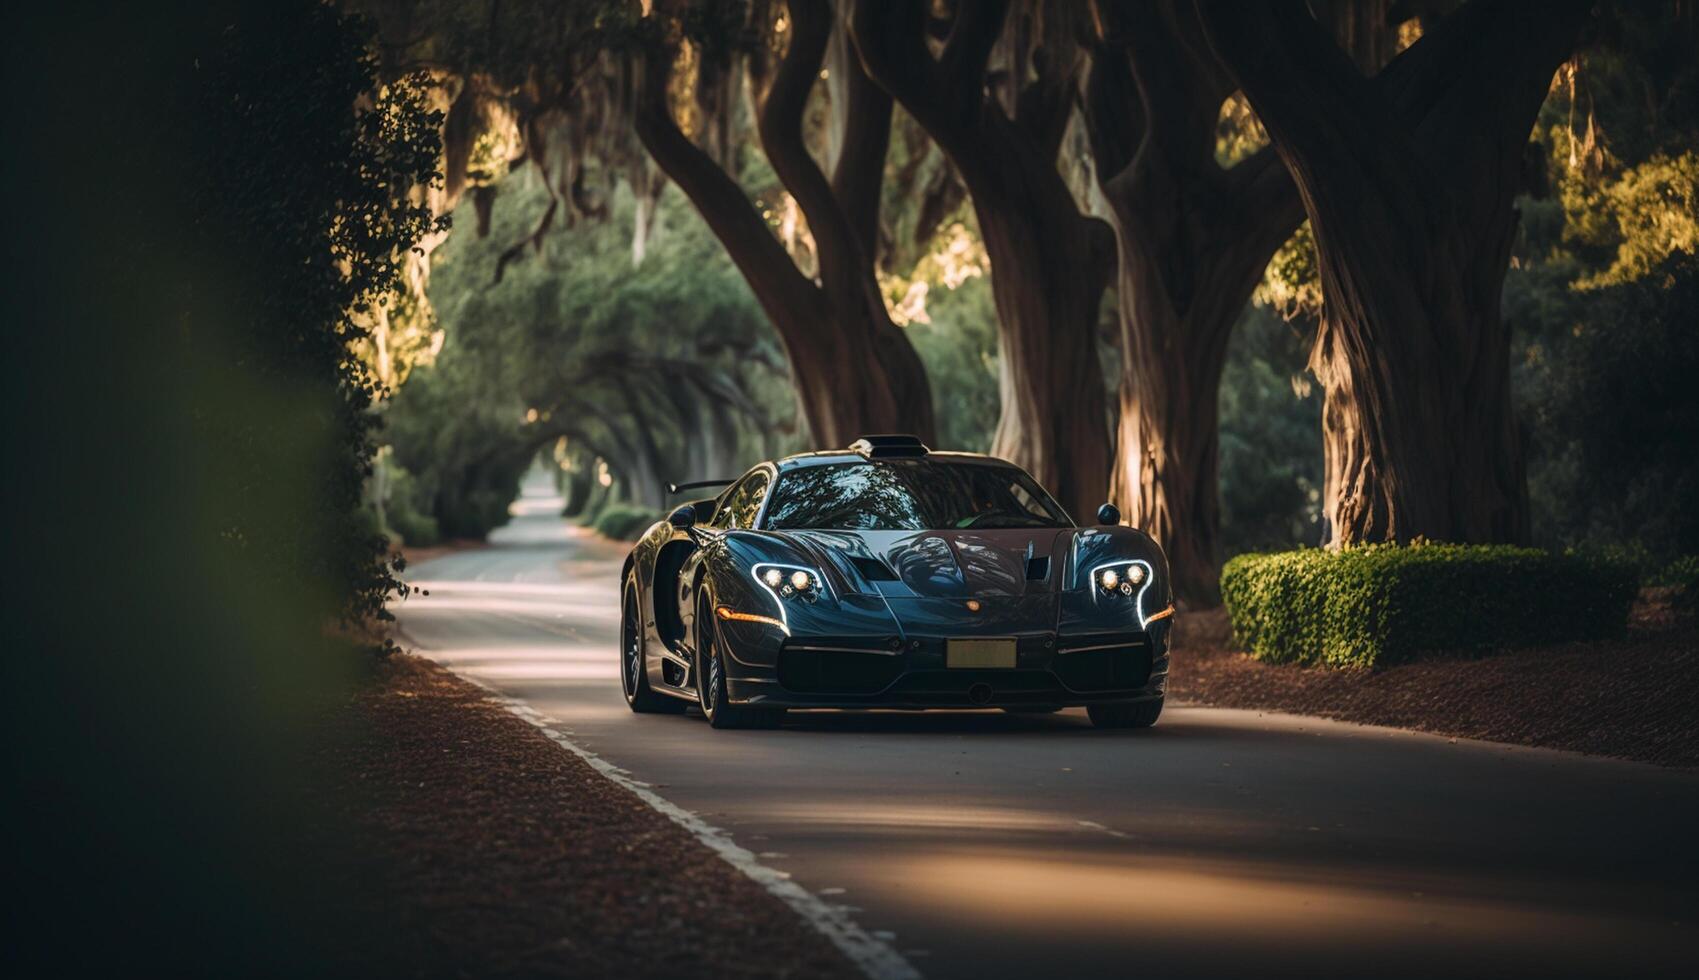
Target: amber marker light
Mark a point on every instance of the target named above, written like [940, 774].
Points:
[727, 612]
[1164, 614]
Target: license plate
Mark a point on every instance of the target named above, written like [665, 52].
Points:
[979, 653]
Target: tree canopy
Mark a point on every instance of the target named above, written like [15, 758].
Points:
[868, 192]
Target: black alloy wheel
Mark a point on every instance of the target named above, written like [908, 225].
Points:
[711, 680]
[633, 673]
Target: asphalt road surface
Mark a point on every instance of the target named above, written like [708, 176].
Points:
[979, 844]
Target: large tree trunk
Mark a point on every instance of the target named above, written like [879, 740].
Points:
[1048, 277]
[1167, 446]
[1413, 225]
[854, 371]
[1185, 276]
[1049, 262]
[1418, 427]
[1193, 240]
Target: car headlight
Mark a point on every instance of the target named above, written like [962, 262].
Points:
[1124, 581]
[790, 581]
[1122, 577]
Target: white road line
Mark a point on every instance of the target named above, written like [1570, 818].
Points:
[869, 952]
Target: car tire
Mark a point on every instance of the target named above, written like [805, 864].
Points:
[1142, 714]
[633, 672]
[711, 680]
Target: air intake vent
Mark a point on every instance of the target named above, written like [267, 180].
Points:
[886, 447]
[1037, 569]
[874, 570]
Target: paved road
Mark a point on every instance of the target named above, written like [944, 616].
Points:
[985, 845]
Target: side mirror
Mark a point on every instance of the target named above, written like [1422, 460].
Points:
[683, 518]
[1108, 514]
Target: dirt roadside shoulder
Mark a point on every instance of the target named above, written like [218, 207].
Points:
[1632, 698]
[474, 846]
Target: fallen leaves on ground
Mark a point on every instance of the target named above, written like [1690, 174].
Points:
[1633, 698]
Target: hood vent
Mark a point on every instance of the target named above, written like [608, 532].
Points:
[873, 570]
[1038, 569]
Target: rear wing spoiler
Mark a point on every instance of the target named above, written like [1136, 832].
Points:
[676, 487]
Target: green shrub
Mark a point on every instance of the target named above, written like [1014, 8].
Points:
[1682, 576]
[416, 529]
[407, 509]
[1382, 604]
[625, 522]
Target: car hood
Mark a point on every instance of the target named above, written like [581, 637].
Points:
[943, 564]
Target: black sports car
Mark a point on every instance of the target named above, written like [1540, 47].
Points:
[889, 576]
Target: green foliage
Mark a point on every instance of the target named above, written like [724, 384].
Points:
[1606, 385]
[625, 522]
[1681, 576]
[1238, 132]
[1291, 285]
[661, 371]
[407, 510]
[1271, 462]
[190, 443]
[328, 182]
[1682, 573]
[1384, 604]
[959, 346]
[1648, 212]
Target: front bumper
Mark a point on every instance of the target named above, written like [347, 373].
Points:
[909, 671]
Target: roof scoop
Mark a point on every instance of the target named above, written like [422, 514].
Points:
[889, 446]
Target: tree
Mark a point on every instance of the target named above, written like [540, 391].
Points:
[640, 374]
[1050, 263]
[1413, 216]
[1195, 233]
[853, 369]
[1193, 240]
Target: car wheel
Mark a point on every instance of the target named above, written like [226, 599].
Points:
[633, 673]
[711, 680]
[1140, 715]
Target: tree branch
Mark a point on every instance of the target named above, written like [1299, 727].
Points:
[778, 285]
[967, 49]
[1298, 78]
[1113, 112]
[1181, 84]
[780, 126]
[865, 140]
[943, 96]
[1055, 52]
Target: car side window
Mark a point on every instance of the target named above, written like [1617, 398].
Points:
[723, 514]
[743, 503]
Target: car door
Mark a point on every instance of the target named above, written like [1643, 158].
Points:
[738, 510]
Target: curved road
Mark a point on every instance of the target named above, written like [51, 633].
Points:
[986, 845]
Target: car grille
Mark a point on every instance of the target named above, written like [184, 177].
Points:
[825, 667]
[868, 665]
[1114, 666]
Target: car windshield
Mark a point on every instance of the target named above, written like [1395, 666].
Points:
[910, 495]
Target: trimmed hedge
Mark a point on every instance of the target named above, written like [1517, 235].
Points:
[1381, 604]
[625, 522]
